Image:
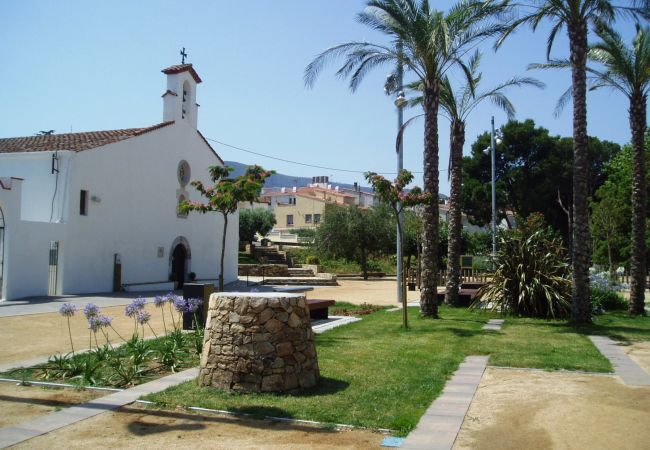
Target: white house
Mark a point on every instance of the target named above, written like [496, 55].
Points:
[97, 211]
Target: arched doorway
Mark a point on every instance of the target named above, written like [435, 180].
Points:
[180, 260]
[179, 256]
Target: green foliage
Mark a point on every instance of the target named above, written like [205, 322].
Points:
[607, 300]
[611, 212]
[532, 278]
[354, 234]
[252, 221]
[170, 354]
[224, 195]
[311, 259]
[309, 233]
[533, 169]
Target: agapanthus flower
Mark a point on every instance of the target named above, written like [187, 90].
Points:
[159, 301]
[91, 310]
[193, 304]
[68, 310]
[139, 302]
[143, 317]
[105, 321]
[94, 323]
[131, 310]
[180, 304]
[171, 297]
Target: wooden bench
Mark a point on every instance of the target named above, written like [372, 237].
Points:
[318, 309]
[465, 296]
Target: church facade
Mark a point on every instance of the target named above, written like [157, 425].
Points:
[98, 211]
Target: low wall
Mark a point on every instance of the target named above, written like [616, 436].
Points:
[258, 342]
[268, 270]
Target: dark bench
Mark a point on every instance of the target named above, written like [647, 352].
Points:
[465, 296]
[318, 309]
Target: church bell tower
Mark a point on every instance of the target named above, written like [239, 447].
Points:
[179, 101]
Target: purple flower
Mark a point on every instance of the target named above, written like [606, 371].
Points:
[180, 304]
[171, 297]
[159, 301]
[139, 302]
[130, 310]
[105, 321]
[193, 304]
[143, 317]
[67, 310]
[94, 323]
[135, 306]
[91, 310]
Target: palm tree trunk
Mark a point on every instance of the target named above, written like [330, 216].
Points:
[455, 219]
[580, 305]
[429, 287]
[638, 260]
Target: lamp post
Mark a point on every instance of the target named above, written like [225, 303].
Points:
[394, 85]
[494, 139]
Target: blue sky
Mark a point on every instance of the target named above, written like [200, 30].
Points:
[81, 66]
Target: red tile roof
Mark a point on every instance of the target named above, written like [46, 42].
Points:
[72, 141]
[182, 68]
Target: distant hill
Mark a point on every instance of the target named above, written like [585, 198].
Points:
[280, 180]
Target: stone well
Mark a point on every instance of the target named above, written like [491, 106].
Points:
[258, 342]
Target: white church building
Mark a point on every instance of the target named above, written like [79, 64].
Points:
[98, 211]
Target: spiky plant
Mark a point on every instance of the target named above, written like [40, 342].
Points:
[532, 277]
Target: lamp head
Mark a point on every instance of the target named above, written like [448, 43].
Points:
[400, 101]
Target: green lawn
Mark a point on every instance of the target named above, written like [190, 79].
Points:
[376, 374]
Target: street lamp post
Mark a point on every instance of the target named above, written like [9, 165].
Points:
[494, 193]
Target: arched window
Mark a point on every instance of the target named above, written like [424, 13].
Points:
[187, 97]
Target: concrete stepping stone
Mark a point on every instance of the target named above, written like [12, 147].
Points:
[493, 324]
[629, 371]
[440, 424]
[58, 419]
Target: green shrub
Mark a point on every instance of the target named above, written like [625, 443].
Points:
[311, 259]
[532, 278]
[607, 300]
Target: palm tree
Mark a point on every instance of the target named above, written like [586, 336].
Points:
[457, 106]
[433, 42]
[575, 15]
[628, 71]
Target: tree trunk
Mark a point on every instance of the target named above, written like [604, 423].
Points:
[580, 249]
[455, 218]
[429, 286]
[638, 251]
[364, 263]
[223, 250]
[400, 236]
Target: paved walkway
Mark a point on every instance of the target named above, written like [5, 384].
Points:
[440, 424]
[58, 419]
[40, 305]
[629, 371]
[493, 324]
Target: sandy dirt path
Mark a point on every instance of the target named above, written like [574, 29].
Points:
[136, 427]
[520, 409]
[21, 403]
[42, 335]
[640, 353]
[377, 291]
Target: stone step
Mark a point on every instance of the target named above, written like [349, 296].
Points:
[300, 281]
[300, 272]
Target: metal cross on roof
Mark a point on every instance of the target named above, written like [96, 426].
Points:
[184, 55]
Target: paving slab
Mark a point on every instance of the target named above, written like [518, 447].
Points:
[493, 324]
[625, 367]
[58, 419]
[440, 424]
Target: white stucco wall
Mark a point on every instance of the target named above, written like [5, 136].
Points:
[136, 182]
[39, 189]
[26, 247]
